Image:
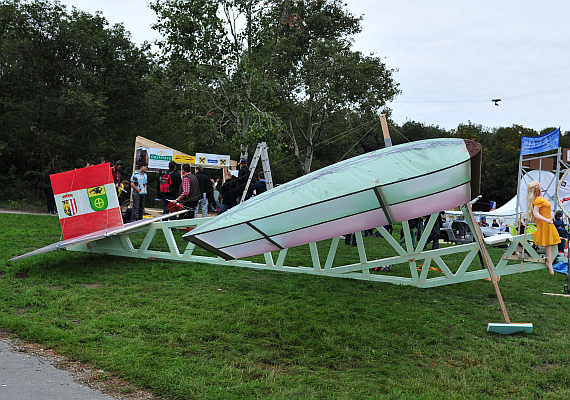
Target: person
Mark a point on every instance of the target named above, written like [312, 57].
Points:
[48, 190]
[169, 186]
[483, 222]
[206, 192]
[388, 228]
[521, 228]
[116, 173]
[348, 237]
[435, 232]
[259, 187]
[243, 176]
[225, 193]
[415, 226]
[190, 192]
[123, 189]
[213, 200]
[217, 201]
[562, 232]
[495, 224]
[503, 226]
[139, 183]
[100, 160]
[539, 210]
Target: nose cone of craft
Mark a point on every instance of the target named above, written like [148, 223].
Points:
[475, 151]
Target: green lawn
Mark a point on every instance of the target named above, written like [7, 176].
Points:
[192, 331]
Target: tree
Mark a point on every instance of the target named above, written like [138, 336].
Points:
[71, 88]
[268, 67]
[501, 152]
[222, 53]
[321, 79]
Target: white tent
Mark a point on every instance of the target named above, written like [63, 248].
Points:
[508, 212]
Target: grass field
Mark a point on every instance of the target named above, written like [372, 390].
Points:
[191, 331]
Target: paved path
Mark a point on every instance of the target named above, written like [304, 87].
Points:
[26, 377]
[16, 211]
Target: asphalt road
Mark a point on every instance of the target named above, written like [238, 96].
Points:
[27, 377]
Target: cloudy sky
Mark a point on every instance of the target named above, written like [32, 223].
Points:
[453, 56]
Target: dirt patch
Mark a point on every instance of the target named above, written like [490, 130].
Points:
[83, 373]
[22, 275]
[93, 285]
[258, 278]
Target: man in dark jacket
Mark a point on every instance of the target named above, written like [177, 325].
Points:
[169, 187]
[190, 192]
[243, 176]
[206, 190]
[225, 192]
[259, 187]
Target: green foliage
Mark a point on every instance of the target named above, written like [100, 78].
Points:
[71, 88]
[501, 150]
[288, 68]
[321, 80]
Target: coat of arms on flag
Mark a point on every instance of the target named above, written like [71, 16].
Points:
[98, 198]
[69, 204]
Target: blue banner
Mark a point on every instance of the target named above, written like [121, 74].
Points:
[539, 144]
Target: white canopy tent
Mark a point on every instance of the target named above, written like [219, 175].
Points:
[508, 212]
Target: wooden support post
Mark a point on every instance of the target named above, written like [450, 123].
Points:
[487, 260]
[524, 243]
[385, 131]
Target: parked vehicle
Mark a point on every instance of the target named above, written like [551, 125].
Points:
[459, 232]
[456, 232]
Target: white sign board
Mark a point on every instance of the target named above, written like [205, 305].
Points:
[212, 160]
[155, 158]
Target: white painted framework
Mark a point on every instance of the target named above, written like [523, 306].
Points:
[414, 256]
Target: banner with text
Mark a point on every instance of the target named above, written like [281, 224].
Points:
[212, 160]
[184, 159]
[540, 144]
[156, 159]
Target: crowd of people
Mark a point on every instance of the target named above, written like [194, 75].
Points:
[190, 187]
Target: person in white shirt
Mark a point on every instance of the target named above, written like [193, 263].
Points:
[139, 183]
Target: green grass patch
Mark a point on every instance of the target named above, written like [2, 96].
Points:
[193, 331]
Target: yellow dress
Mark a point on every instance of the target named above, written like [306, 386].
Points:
[545, 234]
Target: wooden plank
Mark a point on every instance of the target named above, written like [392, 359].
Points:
[487, 261]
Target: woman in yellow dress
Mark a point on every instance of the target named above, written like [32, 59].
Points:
[539, 210]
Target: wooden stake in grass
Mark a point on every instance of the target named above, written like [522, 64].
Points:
[486, 259]
[508, 327]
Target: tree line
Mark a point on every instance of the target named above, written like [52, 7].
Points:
[227, 75]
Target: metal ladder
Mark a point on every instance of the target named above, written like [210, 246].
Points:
[260, 152]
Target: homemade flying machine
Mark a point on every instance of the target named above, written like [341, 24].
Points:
[382, 187]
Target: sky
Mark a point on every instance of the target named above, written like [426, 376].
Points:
[452, 57]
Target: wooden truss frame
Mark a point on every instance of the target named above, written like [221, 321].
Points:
[121, 245]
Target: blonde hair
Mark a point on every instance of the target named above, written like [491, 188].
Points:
[531, 196]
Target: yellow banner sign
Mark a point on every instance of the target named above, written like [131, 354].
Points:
[180, 158]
